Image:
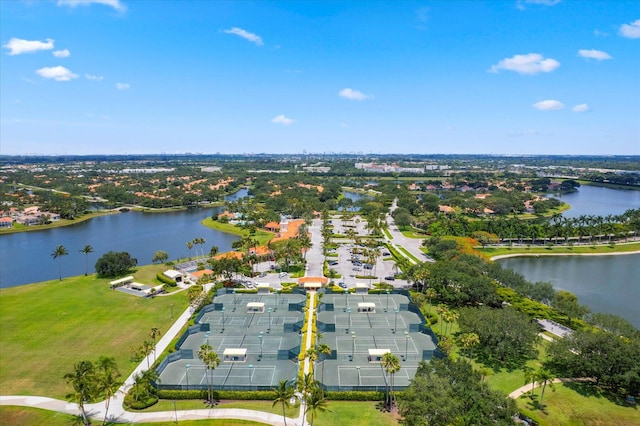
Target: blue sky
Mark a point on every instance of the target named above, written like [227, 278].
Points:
[493, 77]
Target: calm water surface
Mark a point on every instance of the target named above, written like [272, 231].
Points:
[607, 284]
[25, 257]
[599, 201]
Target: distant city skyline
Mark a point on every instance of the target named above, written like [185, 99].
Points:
[506, 77]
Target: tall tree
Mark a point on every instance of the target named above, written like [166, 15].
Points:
[315, 402]
[155, 333]
[108, 378]
[210, 360]
[284, 392]
[391, 365]
[86, 250]
[83, 381]
[57, 254]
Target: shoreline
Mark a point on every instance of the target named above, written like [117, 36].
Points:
[506, 256]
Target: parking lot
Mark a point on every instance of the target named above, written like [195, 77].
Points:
[350, 262]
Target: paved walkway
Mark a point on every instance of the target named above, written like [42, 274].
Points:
[412, 245]
[117, 412]
[526, 388]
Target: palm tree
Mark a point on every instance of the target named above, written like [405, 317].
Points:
[211, 361]
[284, 393]
[468, 341]
[108, 380]
[323, 349]
[391, 365]
[189, 246]
[430, 294]
[155, 332]
[315, 402]
[83, 381]
[57, 254]
[146, 349]
[86, 250]
[545, 377]
[214, 250]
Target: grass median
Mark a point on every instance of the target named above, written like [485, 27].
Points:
[49, 326]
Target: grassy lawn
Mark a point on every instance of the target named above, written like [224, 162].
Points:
[353, 413]
[22, 416]
[579, 404]
[596, 249]
[263, 237]
[197, 404]
[47, 327]
[509, 380]
[17, 227]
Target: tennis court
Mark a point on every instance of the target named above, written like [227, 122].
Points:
[257, 344]
[360, 330]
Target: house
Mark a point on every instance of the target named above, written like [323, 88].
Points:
[272, 226]
[6, 222]
[446, 209]
[177, 276]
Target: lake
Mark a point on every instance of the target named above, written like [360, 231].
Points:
[25, 257]
[599, 201]
[606, 284]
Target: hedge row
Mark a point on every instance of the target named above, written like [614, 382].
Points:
[217, 394]
[166, 280]
[131, 403]
[354, 395]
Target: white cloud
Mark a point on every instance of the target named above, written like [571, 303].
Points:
[18, 46]
[531, 63]
[58, 73]
[580, 108]
[93, 77]
[116, 4]
[594, 54]
[281, 119]
[61, 53]
[520, 4]
[354, 95]
[631, 30]
[122, 86]
[548, 105]
[245, 35]
[599, 33]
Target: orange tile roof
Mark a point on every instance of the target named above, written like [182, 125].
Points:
[322, 280]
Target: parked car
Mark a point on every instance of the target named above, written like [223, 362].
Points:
[282, 274]
[357, 268]
[390, 278]
[333, 263]
[342, 284]
[367, 266]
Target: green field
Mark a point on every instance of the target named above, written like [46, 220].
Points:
[49, 326]
[353, 413]
[20, 416]
[591, 249]
[579, 404]
[263, 237]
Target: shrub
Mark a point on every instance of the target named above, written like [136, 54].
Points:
[354, 395]
[166, 280]
[132, 403]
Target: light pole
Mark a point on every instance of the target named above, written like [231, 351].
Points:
[349, 323]
[276, 293]
[222, 310]
[187, 375]
[395, 324]
[206, 337]
[269, 325]
[358, 368]
[250, 375]
[353, 346]
[387, 308]
[175, 410]
[406, 345]
[234, 300]
[260, 338]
